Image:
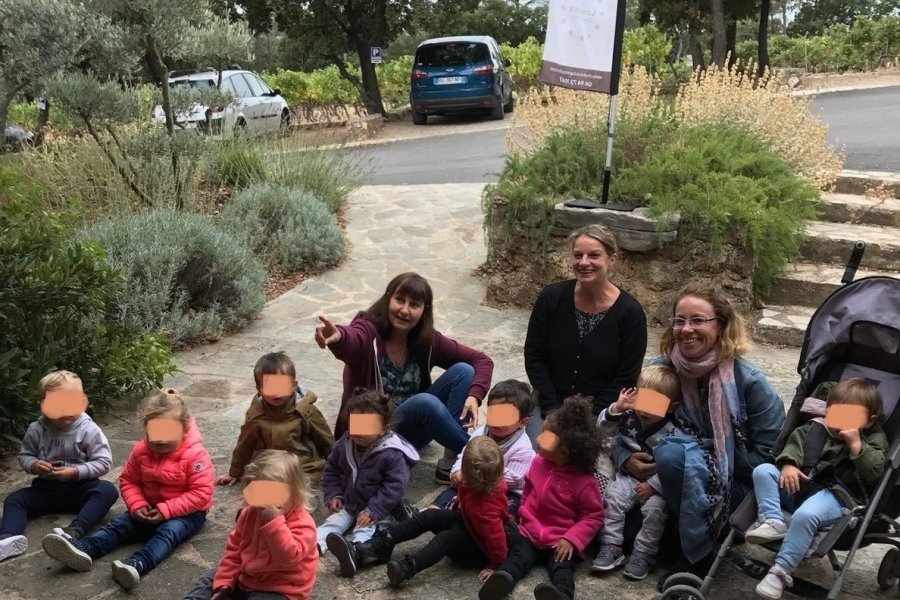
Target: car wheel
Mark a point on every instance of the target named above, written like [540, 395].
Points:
[511, 105]
[497, 112]
[419, 118]
[284, 127]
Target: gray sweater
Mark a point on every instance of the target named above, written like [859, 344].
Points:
[81, 445]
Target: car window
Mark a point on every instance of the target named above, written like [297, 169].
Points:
[451, 54]
[256, 86]
[228, 87]
[241, 89]
[194, 84]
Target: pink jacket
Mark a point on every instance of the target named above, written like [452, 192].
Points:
[280, 556]
[559, 502]
[176, 484]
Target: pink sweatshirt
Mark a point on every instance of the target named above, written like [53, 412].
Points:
[560, 502]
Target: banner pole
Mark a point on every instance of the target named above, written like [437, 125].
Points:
[613, 100]
[610, 136]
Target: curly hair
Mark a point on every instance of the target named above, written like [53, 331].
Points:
[576, 426]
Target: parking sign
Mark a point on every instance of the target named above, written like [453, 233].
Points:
[375, 54]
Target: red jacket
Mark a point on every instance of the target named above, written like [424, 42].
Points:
[280, 556]
[484, 516]
[176, 484]
[560, 502]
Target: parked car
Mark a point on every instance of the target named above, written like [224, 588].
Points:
[257, 109]
[461, 73]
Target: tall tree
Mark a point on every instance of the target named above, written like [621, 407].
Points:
[762, 37]
[719, 32]
[814, 16]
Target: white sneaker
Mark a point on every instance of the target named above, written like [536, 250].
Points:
[125, 574]
[14, 545]
[770, 530]
[773, 584]
[60, 548]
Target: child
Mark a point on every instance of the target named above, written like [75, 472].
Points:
[272, 549]
[561, 508]
[365, 477]
[167, 486]
[821, 472]
[639, 432]
[509, 433]
[281, 419]
[69, 453]
[476, 534]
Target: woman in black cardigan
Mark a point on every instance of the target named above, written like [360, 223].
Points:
[585, 335]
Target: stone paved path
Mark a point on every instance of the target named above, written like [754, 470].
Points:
[435, 230]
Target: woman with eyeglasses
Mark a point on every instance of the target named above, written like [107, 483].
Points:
[728, 412]
[585, 335]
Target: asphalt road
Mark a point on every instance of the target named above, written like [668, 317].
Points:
[866, 122]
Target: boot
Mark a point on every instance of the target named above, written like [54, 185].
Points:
[401, 570]
[345, 552]
[377, 549]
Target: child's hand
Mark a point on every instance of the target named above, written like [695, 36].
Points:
[335, 504]
[484, 574]
[141, 513]
[154, 516]
[643, 490]
[563, 550]
[64, 473]
[223, 593]
[852, 439]
[790, 478]
[41, 467]
[456, 479]
[327, 333]
[267, 513]
[226, 480]
[626, 400]
[364, 518]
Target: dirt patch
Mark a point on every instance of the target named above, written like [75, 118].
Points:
[812, 82]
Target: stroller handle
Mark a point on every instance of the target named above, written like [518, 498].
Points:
[859, 248]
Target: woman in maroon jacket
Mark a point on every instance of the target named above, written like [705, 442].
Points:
[392, 347]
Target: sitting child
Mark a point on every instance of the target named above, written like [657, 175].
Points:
[69, 453]
[167, 486]
[271, 552]
[282, 416]
[507, 428]
[638, 431]
[561, 510]
[819, 472]
[365, 478]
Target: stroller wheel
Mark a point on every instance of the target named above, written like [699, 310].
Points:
[888, 570]
[682, 592]
[683, 579]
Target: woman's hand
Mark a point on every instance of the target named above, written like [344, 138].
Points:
[563, 550]
[327, 333]
[790, 478]
[640, 465]
[470, 408]
[484, 574]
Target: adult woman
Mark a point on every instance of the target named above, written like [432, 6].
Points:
[585, 335]
[392, 347]
[728, 412]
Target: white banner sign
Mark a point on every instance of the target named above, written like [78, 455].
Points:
[581, 38]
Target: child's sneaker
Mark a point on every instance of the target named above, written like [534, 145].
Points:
[607, 559]
[638, 566]
[442, 471]
[13, 545]
[345, 552]
[548, 591]
[127, 573]
[69, 553]
[497, 586]
[71, 533]
[773, 584]
[770, 530]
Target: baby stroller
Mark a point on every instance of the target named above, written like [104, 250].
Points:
[855, 332]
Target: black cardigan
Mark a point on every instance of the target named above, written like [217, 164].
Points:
[608, 359]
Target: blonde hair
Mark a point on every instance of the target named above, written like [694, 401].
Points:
[283, 466]
[55, 380]
[857, 391]
[482, 464]
[600, 233]
[660, 378]
[732, 341]
[164, 402]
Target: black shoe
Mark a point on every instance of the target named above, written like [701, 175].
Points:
[497, 586]
[377, 549]
[345, 552]
[548, 591]
[401, 570]
[404, 511]
[442, 471]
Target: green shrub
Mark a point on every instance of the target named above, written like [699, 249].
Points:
[237, 163]
[525, 62]
[329, 175]
[182, 274]
[54, 299]
[646, 46]
[286, 227]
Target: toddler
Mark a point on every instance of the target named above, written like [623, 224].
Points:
[819, 472]
[167, 486]
[365, 478]
[69, 453]
[561, 510]
[638, 431]
[282, 416]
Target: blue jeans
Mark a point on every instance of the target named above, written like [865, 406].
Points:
[161, 538]
[434, 413]
[819, 510]
[91, 499]
[342, 522]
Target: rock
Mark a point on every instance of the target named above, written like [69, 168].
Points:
[636, 230]
[793, 81]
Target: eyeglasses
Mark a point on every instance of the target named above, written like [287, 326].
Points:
[696, 322]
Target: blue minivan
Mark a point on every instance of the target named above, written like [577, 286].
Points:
[461, 73]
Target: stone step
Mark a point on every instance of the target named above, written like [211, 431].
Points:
[856, 182]
[782, 325]
[831, 243]
[863, 210]
[805, 284]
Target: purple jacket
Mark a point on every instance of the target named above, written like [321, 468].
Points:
[361, 346]
[377, 482]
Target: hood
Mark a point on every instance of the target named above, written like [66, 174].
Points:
[192, 437]
[77, 425]
[397, 442]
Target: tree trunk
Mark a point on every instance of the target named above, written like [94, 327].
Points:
[731, 41]
[369, 81]
[644, 13]
[719, 33]
[161, 72]
[105, 148]
[694, 46]
[762, 37]
[784, 17]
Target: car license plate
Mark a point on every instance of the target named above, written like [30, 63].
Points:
[448, 80]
